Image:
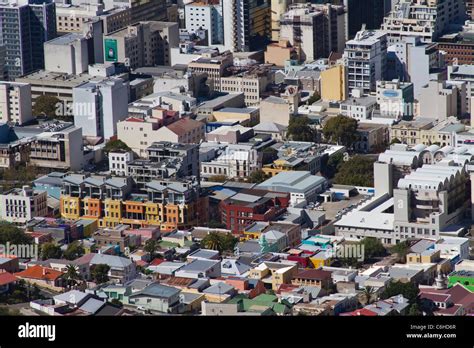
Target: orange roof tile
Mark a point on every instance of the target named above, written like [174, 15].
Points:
[7, 278]
[39, 272]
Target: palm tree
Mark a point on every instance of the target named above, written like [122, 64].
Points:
[368, 295]
[212, 241]
[72, 276]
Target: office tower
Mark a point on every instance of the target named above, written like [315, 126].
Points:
[99, 105]
[247, 24]
[365, 58]
[426, 19]
[142, 44]
[24, 27]
[317, 30]
[368, 12]
[206, 15]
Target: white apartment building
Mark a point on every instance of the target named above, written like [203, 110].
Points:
[365, 58]
[427, 19]
[232, 161]
[15, 103]
[360, 109]
[208, 16]
[21, 205]
[118, 162]
[99, 105]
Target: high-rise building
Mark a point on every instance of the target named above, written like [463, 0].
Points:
[368, 12]
[142, 44]
[15, 103]
[247, 24]
[365, 58]
[427, 19]
[99, 105]
[24, 27]
[206, 15]
[317, 30]
[141, 10]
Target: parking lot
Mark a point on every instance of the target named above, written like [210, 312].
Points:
[333, 208]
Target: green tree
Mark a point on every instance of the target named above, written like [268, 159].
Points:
[395, 141]
[9, 233]
[368, 295]
[414, 310]
[212, 241]
[372, 247]
[330, 166]
[99, 273]
[314, 98]
[228, 242]
[72, 276]
[402, 249]
[408, 290]
[50, 251]
[257, 177]
[299, 129]
[151, 246]
[357, 171]
[116, 302]
[46, 105]
[115, 145]
[341, 130]
[73, 251]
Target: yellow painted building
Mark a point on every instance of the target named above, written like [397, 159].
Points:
[334, 84]
[136, 213]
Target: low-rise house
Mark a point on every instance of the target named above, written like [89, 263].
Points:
[246, 286]
[156, 297]
[6, 281]
[274, 274]
[9, 263]
[200, 268]
[43, 277]
[122, 269]
[395, 305]
[203, 254]
[232, 267]
[455, 301]
[313, 277]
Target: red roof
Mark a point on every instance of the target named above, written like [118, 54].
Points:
[135, 119]
[156, 262]
[7, 278]
[39, 272]
[360, 312]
